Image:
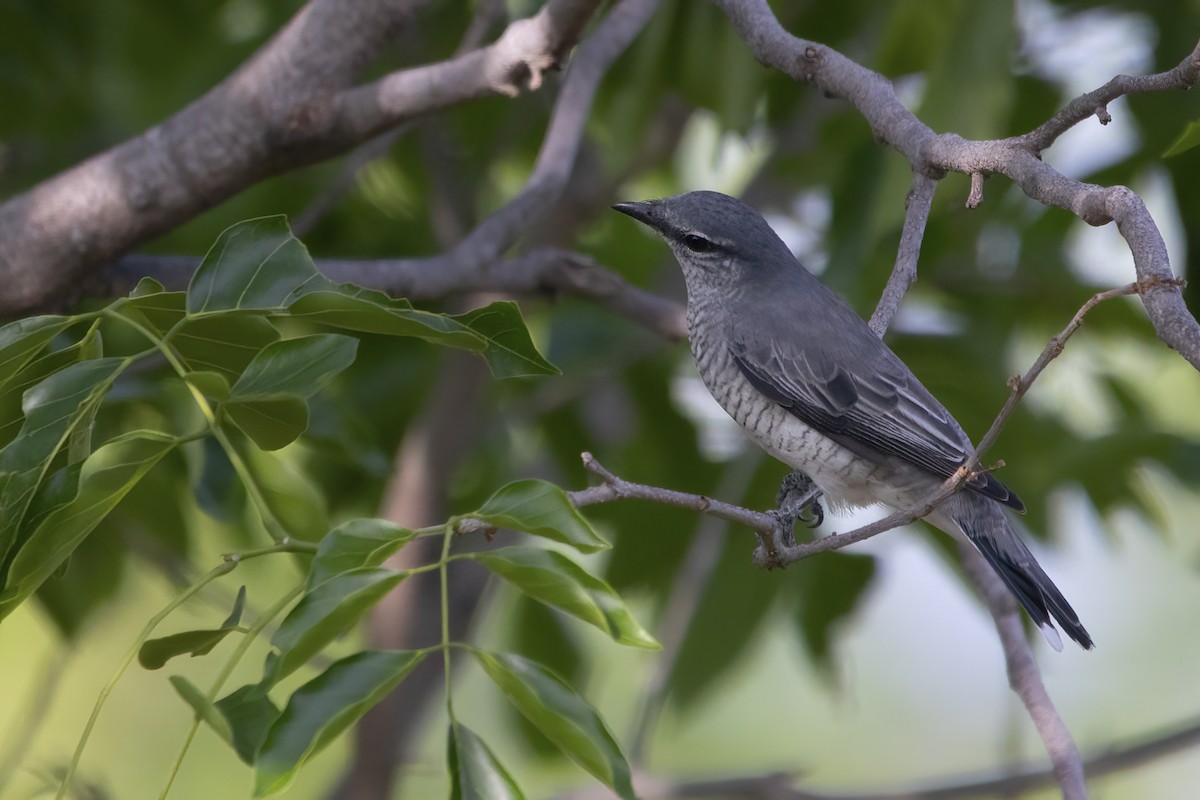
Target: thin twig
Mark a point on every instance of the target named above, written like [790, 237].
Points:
[904, 273]
[767, 525]
[1020, 384]
[1182, 76]
[782, 785]
[495, 235]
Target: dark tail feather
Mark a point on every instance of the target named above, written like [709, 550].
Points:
[1033, 589]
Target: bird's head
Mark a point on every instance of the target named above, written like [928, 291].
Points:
[720, 242]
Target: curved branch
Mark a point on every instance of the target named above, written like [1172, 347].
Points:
[1017, 158]
[293, 103]
[496, 234]
[1183, 76]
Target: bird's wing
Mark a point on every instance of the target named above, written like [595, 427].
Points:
[864, 398]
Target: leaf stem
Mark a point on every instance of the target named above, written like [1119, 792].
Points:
[443, 563]
[234, 659]
[274, 529]
[216, 572]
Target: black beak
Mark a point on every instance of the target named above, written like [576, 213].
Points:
[645, 211]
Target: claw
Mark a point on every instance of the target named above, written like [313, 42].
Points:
[798, 493]
[817, 514]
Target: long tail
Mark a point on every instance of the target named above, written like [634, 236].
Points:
[986, 526]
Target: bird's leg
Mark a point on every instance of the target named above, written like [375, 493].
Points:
[798, 499]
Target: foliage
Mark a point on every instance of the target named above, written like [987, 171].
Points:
[266, 403]
[227, 341]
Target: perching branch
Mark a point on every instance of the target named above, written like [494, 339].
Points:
[768, 525]
[773, 552]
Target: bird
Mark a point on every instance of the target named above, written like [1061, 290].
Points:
[792, 363]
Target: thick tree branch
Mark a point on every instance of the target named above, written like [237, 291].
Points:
[292, 104]
[1018, 158]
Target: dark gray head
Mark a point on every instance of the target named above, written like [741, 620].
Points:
[720, 242]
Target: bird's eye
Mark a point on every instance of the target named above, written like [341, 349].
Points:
[697, 243]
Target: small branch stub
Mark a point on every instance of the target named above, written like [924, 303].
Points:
[976, 195]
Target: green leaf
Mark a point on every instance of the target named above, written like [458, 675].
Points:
[560, 713]
[239, 608]
[829, 589]
[324, 707]
[294, 501]
[509, 350]
[158, 312]
[557, 581]
[155, 653]
[267, 401]
[249, 714]
[540, 508]
[272, 424]
[353, 308]
[497, 331]
[14, 385]
[53, 409]
[205, 710]
[295, 367]
[211, 384]
[356, 544]
[104, 479]
[475, 772]
[223, 343]
[254, 265]
[146, 286]
[21, 341]
[79, 442]
[1188, 138]
[327, 611]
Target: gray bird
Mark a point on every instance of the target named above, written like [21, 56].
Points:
[796, 367]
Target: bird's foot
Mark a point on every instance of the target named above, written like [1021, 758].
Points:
[799, 499]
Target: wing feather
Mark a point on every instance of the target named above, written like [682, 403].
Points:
[876, 404]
